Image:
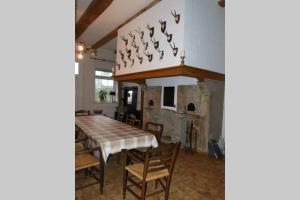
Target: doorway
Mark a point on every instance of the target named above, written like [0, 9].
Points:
[130, 98]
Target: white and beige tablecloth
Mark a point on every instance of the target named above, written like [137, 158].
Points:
[112, 136]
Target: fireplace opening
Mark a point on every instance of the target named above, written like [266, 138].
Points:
[191, 107]
[151, 103]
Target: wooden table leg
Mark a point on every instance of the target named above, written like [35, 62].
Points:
[101, 171]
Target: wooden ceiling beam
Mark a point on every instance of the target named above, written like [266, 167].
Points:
[114, 33]
[179, 70]
[221, 3]
[94, 10]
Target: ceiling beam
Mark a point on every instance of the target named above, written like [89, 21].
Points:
[114, 33]
[94, 10]
[179, 70]
[221, 3]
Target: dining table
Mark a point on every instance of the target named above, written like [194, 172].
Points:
[111, 136]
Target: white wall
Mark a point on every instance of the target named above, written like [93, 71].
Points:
[86, 82]
[200, 32]
[171, 81]
[161, 11]
[204, 36]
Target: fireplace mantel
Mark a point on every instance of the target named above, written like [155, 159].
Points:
[179, 70]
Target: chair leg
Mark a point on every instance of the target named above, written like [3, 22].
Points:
[125, 175]
[196, 141]
[144, 190]
[167, 188]
[191, 147]
[156, 183]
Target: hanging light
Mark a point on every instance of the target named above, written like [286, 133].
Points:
[79, 56]
[80, 46]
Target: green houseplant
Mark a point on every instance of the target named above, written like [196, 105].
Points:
[102, 95]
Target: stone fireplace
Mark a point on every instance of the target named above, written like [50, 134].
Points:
[177, 123]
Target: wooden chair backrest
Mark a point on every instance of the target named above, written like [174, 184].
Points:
[98, 112]
[120, 117]
[155, 129]
[163, 157]
[82, 112]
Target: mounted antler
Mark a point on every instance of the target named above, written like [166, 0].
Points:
[125, 40]
[118, 65]
[128, 51]
[169, 36]
[131, 35]
[150, 56]
[140, 32]
[133, 44]
[176, 16]
[132, 61]
[145, 44]
[175, 49]
[140, 58]
[137, 49]
[162, 25]
[125, 63]
[155, 43]
[151, 29]
[161, 55]
[122, 54]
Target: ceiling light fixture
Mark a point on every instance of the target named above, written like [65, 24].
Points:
[82, 49]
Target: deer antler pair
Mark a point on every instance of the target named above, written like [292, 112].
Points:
[150, 56]
[169, 36]
[155, 43]
[151, 29]
[162, 25]
[176, 16]
[140, 58]
[175, 49]
[140, 32]
[125, 40]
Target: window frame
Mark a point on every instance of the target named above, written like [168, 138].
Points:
[75, 69]
[106, 78]
[175, 98]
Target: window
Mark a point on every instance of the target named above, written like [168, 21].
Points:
[76, 68]
[104, 82]
[169, 97]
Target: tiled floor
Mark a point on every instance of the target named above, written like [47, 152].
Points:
[196, 177]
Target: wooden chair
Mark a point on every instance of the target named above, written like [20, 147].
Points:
[133, 121]
[98, 112]
[84, 160]
[154, 128]
[158, 166]
[121, 116]
[82, 113]
[81, 143]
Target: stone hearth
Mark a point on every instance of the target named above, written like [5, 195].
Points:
[177, 123]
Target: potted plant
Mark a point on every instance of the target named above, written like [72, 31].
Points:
[102, 95]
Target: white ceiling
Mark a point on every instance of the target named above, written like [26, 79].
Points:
[116, 14]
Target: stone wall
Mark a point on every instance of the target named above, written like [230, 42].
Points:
[177, 123]
[216, 90]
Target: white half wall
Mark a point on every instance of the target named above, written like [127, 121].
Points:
[161, 11]
[204, 35]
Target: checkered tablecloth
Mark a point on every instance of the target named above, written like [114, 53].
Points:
[112, 136]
